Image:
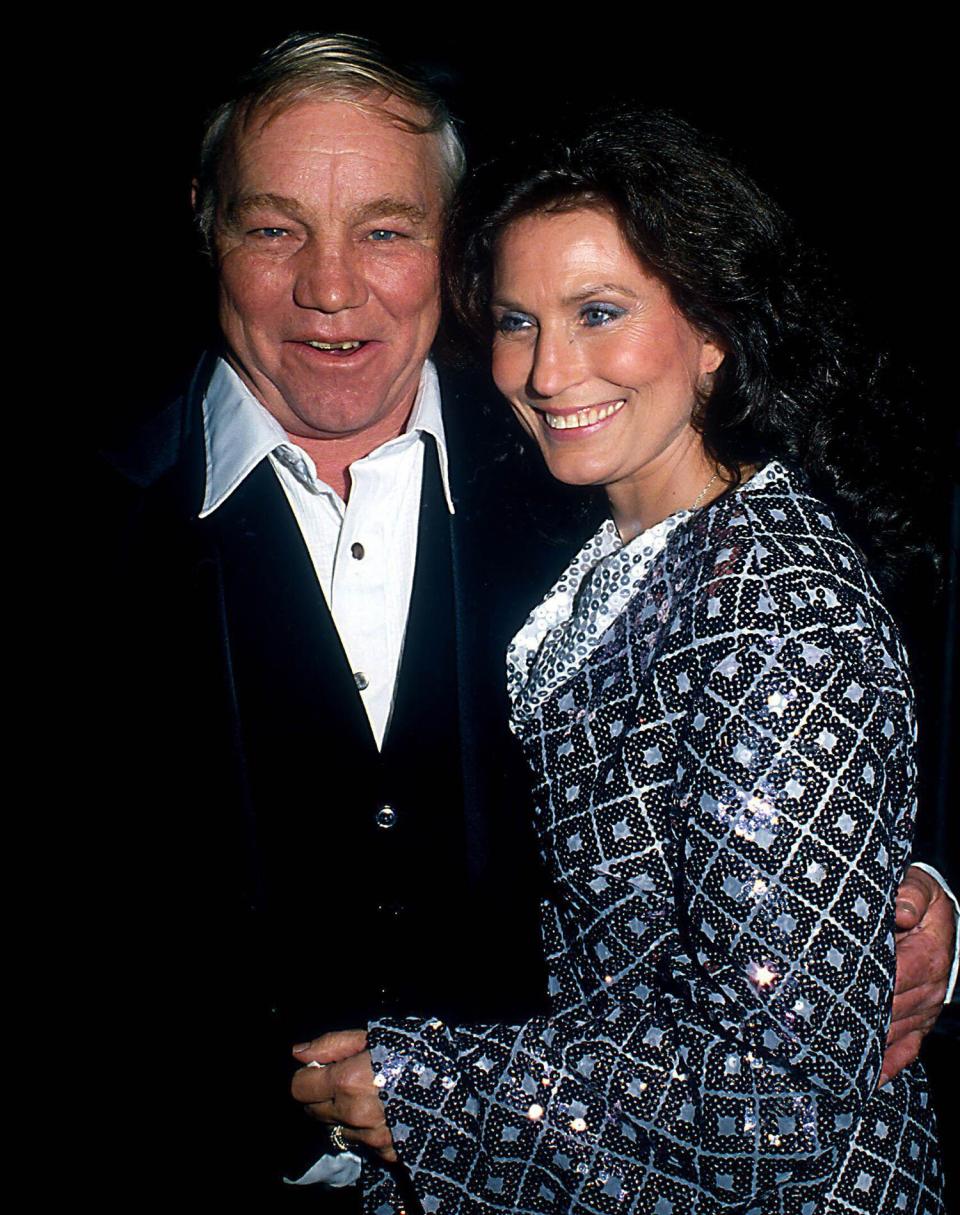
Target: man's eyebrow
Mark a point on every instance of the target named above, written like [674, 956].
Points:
[387, 207]
[238, 207]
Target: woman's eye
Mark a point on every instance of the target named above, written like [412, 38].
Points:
[512, 322]
[600, 314]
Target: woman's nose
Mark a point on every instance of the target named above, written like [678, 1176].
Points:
[557, 363]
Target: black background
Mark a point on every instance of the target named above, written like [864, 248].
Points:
[847, 131]
[845, 127]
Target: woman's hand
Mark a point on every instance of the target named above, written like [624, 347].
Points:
[335, 1086]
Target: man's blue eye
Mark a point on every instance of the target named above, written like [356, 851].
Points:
[270, 233]
[599, 314]
[512, 322]
[383, 234]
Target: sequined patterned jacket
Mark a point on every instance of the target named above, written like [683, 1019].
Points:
[720, 724]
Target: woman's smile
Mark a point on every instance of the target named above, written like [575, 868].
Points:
[580, 419]
[599, 364]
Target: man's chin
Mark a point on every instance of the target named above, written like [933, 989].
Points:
[337, 421]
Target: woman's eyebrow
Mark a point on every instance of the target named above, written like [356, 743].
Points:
[593, 289]
[578, 297]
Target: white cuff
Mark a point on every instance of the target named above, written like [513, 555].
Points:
[952, 981]
[336, 1171]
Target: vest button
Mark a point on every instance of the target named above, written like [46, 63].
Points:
[361, 681]
[356, 550]
[386, 817]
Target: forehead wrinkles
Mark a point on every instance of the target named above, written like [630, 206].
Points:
[316, 140]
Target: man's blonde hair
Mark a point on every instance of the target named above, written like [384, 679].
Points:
[341, 67]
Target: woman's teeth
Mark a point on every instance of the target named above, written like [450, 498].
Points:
[583, 417]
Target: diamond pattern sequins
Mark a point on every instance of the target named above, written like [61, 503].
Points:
[720, 727]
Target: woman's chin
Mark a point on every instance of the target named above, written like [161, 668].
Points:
[578, 471]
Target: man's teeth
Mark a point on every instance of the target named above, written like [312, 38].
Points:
[334, 345]
[583, 417]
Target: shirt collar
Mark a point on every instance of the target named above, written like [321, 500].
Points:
[239, 432]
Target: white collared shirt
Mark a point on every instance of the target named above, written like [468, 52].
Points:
[363, 551]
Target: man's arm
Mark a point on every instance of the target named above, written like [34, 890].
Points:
[926, 923]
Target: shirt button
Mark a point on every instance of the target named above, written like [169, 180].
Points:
[356, 550]
[360, 680]
[386, 817]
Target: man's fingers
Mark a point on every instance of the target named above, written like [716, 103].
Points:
[927, 998]
[917, 891]
[923, 961]
[898, 1056]
[925, 923]
[922, 1023]
[332, 1047]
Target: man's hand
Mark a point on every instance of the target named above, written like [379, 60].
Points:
[925, 936]
[336, 1087]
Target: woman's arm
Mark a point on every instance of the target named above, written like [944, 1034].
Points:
[747, 1066]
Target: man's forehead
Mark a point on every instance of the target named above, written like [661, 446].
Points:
[356, 148]
[341, 104]
[378, 125]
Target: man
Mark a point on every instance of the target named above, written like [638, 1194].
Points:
[327, 561]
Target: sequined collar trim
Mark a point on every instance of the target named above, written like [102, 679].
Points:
[563, 631]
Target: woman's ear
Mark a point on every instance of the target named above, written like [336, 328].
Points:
[711, 356]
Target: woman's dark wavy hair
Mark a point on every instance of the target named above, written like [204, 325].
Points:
[797, 381]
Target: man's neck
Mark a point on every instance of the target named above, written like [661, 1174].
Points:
[333, 457]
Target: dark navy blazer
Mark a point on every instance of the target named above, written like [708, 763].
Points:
[247, 897]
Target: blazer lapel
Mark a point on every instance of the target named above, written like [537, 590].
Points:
[284, 645]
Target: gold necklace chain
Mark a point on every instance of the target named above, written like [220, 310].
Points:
[700, 496]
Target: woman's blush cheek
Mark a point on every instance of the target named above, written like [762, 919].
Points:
[510, 368]
[525, 416]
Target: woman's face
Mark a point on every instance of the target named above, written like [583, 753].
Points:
[599, 365]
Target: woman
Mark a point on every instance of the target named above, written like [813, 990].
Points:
[715, 706]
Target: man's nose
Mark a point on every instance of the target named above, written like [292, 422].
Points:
[329, 277]
[557, 362]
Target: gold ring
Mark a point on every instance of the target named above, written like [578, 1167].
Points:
[337, 1139]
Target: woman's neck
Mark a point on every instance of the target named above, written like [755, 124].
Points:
[684, 478]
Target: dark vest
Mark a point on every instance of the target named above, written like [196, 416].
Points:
[256, 872]
[362, 848]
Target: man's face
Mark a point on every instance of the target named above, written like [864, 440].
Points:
[327, 247]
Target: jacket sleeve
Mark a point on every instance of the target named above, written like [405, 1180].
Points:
[745, 1064]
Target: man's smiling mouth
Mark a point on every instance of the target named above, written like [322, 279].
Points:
[582, 417]
[335, 347]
